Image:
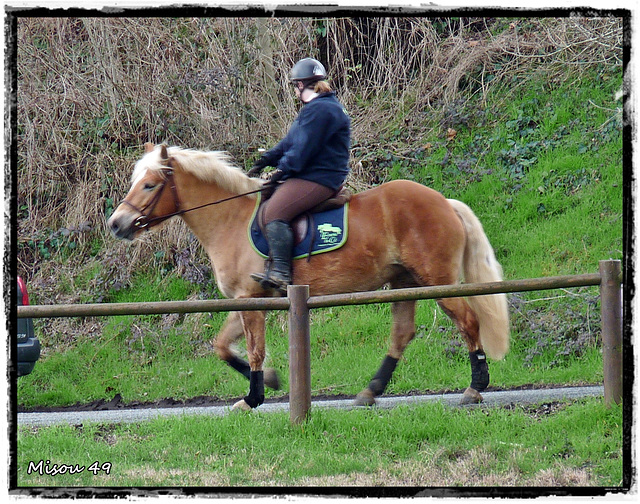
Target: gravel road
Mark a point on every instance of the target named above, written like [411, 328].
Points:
[498, 398]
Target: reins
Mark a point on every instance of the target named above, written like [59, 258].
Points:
[182, 212]
[144, 221]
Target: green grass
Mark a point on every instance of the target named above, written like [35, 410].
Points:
[425, 445]
[552, 159]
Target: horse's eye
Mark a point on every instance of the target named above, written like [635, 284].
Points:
[148, 186]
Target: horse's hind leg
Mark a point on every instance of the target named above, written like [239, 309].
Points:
[402, 332]
[467, 323]
[230, 333]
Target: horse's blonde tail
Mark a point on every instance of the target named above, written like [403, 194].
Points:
[480, 265]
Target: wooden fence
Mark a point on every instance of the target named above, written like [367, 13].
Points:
[298, 303]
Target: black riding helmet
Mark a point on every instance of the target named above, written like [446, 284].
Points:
[307, 71]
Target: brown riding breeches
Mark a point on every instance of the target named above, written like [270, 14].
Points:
[293, 197]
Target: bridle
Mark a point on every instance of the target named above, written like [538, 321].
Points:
[144, 221]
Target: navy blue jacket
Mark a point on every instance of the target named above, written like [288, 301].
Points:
[316, 148]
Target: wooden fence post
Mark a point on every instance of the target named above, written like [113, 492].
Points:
[611, 308]
[299, 353]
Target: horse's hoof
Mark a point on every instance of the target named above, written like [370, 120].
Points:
[365, 398]
[471, 396]
[271, 379]
[240, 406]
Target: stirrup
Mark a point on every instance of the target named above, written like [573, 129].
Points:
[267, 282]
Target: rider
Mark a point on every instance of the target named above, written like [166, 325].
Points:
[312, 162]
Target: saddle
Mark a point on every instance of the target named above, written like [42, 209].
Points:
[309, 237]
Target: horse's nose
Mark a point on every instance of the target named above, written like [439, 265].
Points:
[118, 229]
[113, 225]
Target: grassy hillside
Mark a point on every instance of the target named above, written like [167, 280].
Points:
[518, 118]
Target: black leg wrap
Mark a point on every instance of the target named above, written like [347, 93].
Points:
[256, 389]
[479, 370]
[240, 365]
[382, 377]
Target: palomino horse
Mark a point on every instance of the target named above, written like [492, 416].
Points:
[400, 233]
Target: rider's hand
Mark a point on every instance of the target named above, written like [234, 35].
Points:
[276, 176]
[258, 166]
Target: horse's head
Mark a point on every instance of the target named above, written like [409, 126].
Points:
[152, 197]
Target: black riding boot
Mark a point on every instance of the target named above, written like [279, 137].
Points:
[277, 273]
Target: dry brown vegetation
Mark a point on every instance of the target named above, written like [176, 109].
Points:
[91, 91]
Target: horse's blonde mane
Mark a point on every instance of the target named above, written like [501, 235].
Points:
[210, 166]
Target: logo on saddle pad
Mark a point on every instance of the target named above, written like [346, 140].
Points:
[314, 234]
[329, 235]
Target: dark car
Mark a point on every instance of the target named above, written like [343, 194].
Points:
[28, 344]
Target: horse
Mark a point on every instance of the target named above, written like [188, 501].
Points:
[401, 234]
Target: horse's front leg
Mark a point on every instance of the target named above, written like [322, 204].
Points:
[253, 326]
[230, 333]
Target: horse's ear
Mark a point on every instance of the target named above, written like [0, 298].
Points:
[148, 147]
[163, 152]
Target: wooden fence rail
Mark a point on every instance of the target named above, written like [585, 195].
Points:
[298, 303]
[355, 298]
